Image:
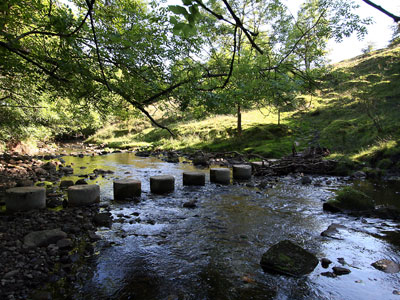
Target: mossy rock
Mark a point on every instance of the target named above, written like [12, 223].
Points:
[289, 259]
[351, 199]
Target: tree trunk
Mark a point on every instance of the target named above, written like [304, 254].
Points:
[279, 116]
[239, 121]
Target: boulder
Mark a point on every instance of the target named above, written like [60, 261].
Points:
[127, 189]
[220, 175]
[289, 259]
[194, 178]
[162, 184]
[25, 198]
[82, 195]
[43, 237]
[349, 199]
[340, 271]
[200, 160]
[241, 172]
[386, 266]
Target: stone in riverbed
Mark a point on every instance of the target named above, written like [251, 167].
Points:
[66, 184]
[220, 175]
[194, 178]
[127, 189]
[43, 237]
[82, 195]
[241, 172]
[289, 259]
[162, 184]
[386, 266]
[341, 271]
[25, 198]
[103, 219]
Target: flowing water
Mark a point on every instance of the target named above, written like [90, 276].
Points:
[162, 250]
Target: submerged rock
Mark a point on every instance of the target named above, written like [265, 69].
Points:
[289, 259]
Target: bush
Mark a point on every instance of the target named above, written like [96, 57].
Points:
[385, 163]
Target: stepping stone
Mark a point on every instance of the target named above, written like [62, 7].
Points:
[83, 195]
[162, 184]
[241, 172]
[25, 198]
[194, 178]
[127, 189]
[220, 175]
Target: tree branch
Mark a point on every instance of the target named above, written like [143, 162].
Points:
[63, 35]
[240, 25]
[381, 9]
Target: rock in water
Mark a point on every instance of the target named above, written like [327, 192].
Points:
[386, 266]
[289, 259]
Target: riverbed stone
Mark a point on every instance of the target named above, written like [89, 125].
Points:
[386, 266]
[127, 189]
[220, 175]
[64, 184]
[194, 178]
[25, 198]
[83, 195]
[288, 258]
[43, 237]
[103, 219]
[341, 271]
[241, 172]
[162, 184]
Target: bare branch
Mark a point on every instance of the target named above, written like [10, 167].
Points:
[381, 9]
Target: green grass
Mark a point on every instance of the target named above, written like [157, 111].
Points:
[355, 114]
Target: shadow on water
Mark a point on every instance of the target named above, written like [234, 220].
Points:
[157, 249]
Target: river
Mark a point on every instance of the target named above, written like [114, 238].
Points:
[157, 249]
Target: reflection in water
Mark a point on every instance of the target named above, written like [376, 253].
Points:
[164, 251]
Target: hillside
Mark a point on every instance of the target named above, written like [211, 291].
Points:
[355, 114]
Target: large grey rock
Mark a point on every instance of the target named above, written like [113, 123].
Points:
[43, 237]
[83, 195]
[127, 189]
[162, 184]
[241, 172]
[25, 198]
[289, 259]
[220, 175]
[194, 178]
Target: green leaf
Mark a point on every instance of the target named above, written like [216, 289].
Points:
[179, 10]
[187, 2]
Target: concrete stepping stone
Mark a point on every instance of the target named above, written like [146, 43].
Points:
[220, 175]
[194, 178]
[241, 172]
[83, 195]
[127, 189]
[25, 198]
[162, 184]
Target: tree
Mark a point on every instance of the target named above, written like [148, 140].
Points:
[105, 54]
[271, 54]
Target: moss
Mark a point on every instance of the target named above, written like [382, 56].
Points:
[349, 198]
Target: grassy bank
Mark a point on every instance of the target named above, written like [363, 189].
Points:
[355, 114]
